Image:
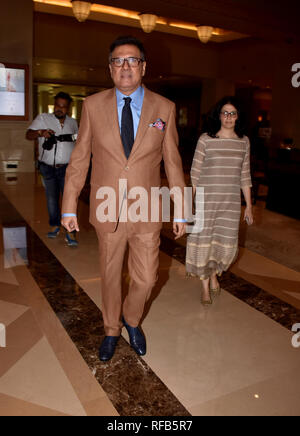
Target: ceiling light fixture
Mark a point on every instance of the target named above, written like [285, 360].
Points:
[99, 13]
[204, 33]
[81, 10]
[148, 22]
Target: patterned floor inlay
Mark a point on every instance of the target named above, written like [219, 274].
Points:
[271, 306]
[131, 385]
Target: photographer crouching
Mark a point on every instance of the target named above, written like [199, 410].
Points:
[56, 134]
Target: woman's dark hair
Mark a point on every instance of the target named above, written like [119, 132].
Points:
[127, 40]
[212, 123]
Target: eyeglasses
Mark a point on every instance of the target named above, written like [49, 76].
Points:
[131, 61]
[226, 114]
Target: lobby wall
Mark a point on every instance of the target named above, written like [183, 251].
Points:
[270, 64]
[219, 66]
[16, 46]
[79, 52]
[87, 44]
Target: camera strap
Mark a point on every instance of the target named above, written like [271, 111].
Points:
[65, 138]
[55, 150]
[42, 155]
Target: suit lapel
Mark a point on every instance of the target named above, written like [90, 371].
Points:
[113, 123]
[148, 111]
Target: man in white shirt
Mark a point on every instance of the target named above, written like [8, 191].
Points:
[56, 134]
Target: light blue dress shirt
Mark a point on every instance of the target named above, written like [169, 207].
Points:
[136, 106]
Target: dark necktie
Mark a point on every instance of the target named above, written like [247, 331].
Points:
[127, 133]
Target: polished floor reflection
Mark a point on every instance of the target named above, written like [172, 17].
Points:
[233, 358]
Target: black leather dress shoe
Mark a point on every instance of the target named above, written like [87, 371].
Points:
[107, 348]
[137, 339]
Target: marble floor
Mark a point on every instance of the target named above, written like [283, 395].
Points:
[233, 358]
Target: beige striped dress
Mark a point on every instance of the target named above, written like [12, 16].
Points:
[222, 167]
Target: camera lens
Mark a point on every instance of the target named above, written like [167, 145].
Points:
[48, 143]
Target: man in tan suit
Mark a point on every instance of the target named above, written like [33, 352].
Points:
[128, 130]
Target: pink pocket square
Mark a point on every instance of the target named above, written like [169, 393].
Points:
[159, 124]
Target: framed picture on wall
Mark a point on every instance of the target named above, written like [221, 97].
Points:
[14, 92]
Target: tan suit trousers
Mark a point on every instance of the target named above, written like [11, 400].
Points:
[143, 262]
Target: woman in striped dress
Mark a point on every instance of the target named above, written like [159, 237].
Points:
[221, 166]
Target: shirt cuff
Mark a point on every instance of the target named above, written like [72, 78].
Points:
[68, 214]
[180, 221]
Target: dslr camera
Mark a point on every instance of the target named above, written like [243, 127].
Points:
[50, 142]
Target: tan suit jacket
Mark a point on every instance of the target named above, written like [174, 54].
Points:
[99, 136]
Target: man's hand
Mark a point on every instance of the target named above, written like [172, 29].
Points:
[179, 229]
[46, 133]
[31, 135]
[70, 223]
